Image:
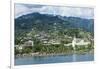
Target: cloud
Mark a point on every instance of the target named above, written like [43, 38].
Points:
[22, 9]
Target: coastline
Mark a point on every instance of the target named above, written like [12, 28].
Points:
[53, 54]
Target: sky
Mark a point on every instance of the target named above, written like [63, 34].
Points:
[82, 12]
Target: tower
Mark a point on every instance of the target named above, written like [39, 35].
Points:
[74, 42]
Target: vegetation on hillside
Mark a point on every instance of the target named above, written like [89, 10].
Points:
[46, 30]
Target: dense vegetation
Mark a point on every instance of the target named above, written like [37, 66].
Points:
[55, 49]
[45, 22]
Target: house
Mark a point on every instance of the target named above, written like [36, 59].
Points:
[29, 43]
[26, 44]
[54, 42]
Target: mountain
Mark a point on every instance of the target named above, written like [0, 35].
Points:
[46, 22]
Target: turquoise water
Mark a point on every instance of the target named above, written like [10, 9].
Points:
[53, 59]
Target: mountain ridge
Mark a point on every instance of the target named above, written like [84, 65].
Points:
[45, 22]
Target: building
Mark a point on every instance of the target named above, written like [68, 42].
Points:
[79, 42]
[29, 43]
[26, 44]
[55, 42]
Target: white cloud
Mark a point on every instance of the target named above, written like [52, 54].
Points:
[22, 9]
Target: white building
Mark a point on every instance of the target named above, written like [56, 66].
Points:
[28, 43]
[79, 42]
[54, 42]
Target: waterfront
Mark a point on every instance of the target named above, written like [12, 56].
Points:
[53, 59]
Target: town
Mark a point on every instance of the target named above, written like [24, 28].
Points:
[54, 43]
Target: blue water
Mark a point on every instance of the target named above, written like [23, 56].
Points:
[53, 59]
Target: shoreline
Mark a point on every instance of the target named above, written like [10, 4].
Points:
[53, 54]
